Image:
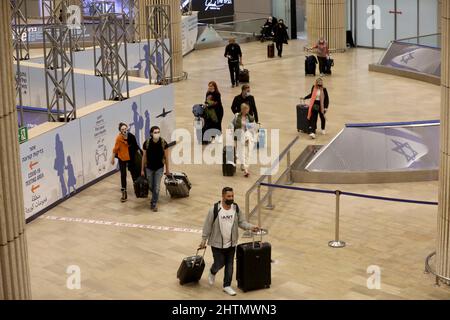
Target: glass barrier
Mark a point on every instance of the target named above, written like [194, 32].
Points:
[431, 40]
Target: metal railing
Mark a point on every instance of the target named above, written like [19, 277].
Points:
[268, 176]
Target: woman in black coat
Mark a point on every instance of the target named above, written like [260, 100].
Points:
[214, 101]
[280, 36]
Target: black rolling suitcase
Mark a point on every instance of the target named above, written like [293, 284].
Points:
[178, 185]
[141, 187]
[270, 50]
[229, 161]
[253, 269]
[244, 75]
[310, 65]
[302, 117]
[191, 268]
[328, 65]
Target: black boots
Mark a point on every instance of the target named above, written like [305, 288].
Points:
[124, 196]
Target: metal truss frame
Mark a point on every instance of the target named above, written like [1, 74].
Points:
[59, 77]
[158, 30]
[114, 68]
[99, 8]
[19, 25]
[131, 10]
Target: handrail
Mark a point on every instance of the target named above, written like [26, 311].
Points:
[428, 269]
[268, 175]
[418, 37]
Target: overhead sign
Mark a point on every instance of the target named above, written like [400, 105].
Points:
[214, 11]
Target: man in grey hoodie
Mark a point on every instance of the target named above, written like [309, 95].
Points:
[221, 231]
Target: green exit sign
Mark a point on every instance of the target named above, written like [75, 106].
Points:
[23, 134]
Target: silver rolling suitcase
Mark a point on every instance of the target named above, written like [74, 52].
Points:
[178, 185]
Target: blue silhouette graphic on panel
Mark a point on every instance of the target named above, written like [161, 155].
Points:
[147, 125]
[71, 180]
[146, 60]
[59, 165]
[138, 123]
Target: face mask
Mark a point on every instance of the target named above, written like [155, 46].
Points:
[156, 136]
[247, 94]
[229, 202]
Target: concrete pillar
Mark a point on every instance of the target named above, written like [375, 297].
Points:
[326, 18]
[14, 271]
[443, 223]
[175, 15]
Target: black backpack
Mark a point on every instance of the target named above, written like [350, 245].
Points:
[217, 209]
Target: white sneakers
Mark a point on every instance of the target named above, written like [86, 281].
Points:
[324, 132]
[312, 135]
[229, 290]
[211, 278]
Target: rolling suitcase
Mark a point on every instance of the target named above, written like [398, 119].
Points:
[141, 187]
[178, 185]
[229, 161]
[310, 65]
[302, 117]
[191, 268]
[244, 75]
[253, 269]
[270, 50]
[328, 65]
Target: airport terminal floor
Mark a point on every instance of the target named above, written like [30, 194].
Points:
[126, 262]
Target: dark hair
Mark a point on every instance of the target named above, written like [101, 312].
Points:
[245, 87]
[214, 84]
[153, 129]
[122, 124]
[226, 189]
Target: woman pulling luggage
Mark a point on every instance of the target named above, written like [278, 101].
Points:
[318, 106]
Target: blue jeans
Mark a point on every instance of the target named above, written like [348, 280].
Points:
[154, 182]
[223, 258]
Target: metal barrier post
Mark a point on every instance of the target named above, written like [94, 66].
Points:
[269, 205]
[336, 243]
[289, 176]
[258, 194]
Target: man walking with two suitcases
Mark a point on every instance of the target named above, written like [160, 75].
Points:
[221, 231]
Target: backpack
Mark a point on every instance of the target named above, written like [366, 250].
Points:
[216, 210]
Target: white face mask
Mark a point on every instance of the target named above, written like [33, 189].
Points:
[156, 136]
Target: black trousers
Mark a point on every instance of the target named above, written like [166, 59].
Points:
[279, 46]
[313, 121]
[123, 174]
[224, 257]
[234, 72]
[322, 64]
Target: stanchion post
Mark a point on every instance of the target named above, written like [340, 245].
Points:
[258, 192]
[289, 177]
[269, 205]
[336, 243]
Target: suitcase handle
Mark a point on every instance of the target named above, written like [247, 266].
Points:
[253, 236]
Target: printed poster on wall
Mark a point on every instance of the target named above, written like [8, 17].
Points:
[51, 167]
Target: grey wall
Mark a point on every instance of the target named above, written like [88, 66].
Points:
[252, 9]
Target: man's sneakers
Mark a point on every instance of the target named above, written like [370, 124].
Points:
[229, 290]
[324, 132]
[312, 135]
[211, 278]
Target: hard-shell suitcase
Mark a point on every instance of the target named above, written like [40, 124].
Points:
[270, 50]
[178, 185]
[229, 161]
[253, 269]
[302, 118]
[191, 268]
[310, 65]
[141, 187]
[328, 65]
[244, 75]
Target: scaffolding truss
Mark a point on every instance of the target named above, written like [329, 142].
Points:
[61, 12]
[131, 10]
[99, 8]
[114, 66]
[159, 32]
[59, 77]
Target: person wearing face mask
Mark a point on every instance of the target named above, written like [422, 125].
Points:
[281, 36]
[318, 106]
[247, 98]
[213, 102]
[155, 157]
[221, 231]
[322, 54]
[121, 150]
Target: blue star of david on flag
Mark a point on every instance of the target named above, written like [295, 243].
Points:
[406, 58]
[405, 150]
